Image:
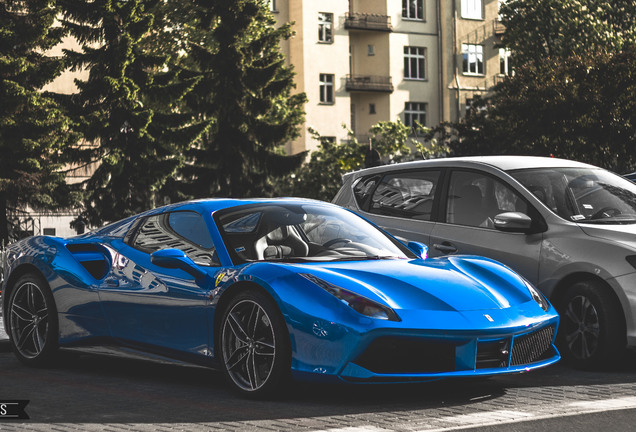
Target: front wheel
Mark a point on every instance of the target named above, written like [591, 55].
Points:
[592, 333]
[32, 321]
[254, 345]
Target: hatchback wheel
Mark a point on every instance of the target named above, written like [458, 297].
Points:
[592, 333]
[254, 345]
[32, 321]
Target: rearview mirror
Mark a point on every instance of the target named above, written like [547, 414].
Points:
[176, 258]
[420, 249]
[513, 222]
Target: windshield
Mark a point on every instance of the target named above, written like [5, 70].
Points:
[301, 233]
[584, 195]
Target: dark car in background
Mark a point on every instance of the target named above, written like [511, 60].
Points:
[569, 228]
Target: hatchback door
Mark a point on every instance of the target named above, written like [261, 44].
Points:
[469, 205]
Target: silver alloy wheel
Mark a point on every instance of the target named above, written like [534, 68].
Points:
[582, 332]
[249, 345]
[29, 324]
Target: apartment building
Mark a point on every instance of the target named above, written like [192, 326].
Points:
[365, 61]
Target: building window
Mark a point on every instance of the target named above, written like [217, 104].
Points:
[272, 5]
[326, 88]
[48, 231]
[472, 9]
[414, 112]
[473, 59]
[372, 108]
[414, 63]
[413, 9]
[505, 62]
[325, 27]
[371, 50]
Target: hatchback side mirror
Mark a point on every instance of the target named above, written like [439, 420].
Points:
[513, 222]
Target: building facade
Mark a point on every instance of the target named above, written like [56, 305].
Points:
[364, 61]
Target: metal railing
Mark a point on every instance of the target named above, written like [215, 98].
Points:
[363, 21]
[370, 83]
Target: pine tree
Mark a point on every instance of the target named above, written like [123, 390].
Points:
[245, 95]
[124, 107]
[33, 129]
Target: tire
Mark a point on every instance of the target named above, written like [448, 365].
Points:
[254, 347]
[592, 330]
[32, 321]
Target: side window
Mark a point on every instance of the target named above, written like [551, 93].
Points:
[363, 189]
[474, 199]
[181, 230]
[406, 194]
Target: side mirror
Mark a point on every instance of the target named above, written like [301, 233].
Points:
[420, 249]
[176, 258]
[513, 222]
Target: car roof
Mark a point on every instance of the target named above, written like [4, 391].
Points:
[502, 162]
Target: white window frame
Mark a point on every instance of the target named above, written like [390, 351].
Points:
[472, 9]
[327, 95]
[415, 111]
[325, 27]
[413, 11]
[272, 6]
[505, 66]
[473, 59]
[414, 63]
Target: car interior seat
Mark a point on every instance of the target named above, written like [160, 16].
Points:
[282, 242]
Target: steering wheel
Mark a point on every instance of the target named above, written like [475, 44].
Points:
[607, 212]
[336, 240]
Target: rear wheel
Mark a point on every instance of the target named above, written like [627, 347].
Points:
[254, 345]
[32, 321]
[592, 333]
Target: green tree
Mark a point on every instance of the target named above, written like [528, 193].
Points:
[581, 108]
[562, 28]
[321, 177]
[126, 109]
[33, 129]
[244, 95]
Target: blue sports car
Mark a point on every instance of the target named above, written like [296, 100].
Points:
[271, 289]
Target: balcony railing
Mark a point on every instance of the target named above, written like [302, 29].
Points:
[362, 21]
[499, 28]
[369, 83]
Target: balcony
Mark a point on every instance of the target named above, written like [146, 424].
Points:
[498, 27]
[369, 83]
[362, 21]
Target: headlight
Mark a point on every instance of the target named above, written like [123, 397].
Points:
[537, 296]
[358, 303]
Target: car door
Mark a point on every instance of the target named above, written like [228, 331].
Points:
[156, 306]
[471, 200]
[401, 202]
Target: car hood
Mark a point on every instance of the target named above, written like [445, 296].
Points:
[624, 234]
[458, 283]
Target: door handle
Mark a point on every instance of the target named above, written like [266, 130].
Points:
[445, 247]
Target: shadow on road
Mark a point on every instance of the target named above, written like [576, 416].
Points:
[98, 388]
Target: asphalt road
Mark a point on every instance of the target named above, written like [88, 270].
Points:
[100, 392]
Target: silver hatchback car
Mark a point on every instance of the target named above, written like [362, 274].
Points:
[569, 228]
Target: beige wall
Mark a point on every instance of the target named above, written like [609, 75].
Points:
[457, 30]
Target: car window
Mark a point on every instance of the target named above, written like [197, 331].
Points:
[304, 232]
[406, 194]
[363, 190]
[184, 230]
[474, 199]
[584, 195]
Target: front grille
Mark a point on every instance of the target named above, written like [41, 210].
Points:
[388, 355]
[532, 347]
[493, 354]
